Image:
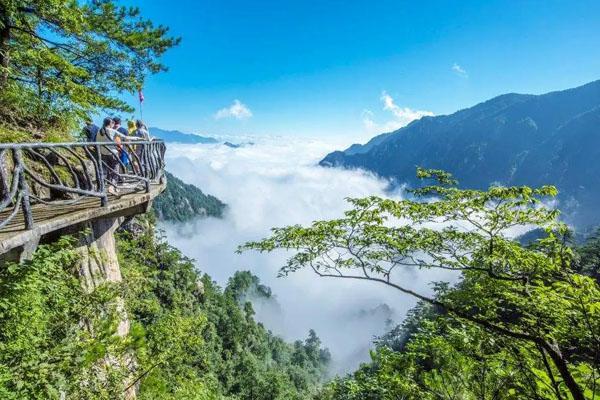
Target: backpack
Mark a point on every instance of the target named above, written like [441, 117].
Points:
[103, 136]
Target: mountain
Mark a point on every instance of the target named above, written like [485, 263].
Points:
[180, 137]
[513, 139]
[181, 202]
[238, 145]
[232, 145]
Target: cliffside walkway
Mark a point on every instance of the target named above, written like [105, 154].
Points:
[45, 188]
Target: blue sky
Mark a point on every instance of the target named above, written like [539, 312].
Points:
[354, 68]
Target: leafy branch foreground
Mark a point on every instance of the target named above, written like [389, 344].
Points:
[521, 308]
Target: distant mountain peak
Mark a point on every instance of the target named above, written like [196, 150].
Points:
[175, 136]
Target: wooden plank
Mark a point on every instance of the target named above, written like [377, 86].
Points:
[51, 217]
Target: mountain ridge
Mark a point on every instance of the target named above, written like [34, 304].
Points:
[511, 139]
[175, 136]
[181, 202]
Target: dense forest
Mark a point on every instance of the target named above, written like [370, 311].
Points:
[190, 338]
[521, 321]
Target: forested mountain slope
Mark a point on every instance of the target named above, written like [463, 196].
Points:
[513, 139]
[181, 202]
[218, 346]
[190, 338]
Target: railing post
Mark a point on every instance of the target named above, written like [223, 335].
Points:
[162, 150]
[144, 172]
[143, 158]
[100, 177]
[4, 182]
[148, 154]
[24, 190]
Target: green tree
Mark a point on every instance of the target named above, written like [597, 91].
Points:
[60, 60]
[442, 358]
[195, 340]
[528, 296]
[244, 284]
[45, 350]
[588, 260]
[189, 339]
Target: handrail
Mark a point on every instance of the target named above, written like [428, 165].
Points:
[66, 173]
[71, 144]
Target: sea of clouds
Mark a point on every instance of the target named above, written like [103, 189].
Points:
[276, 182]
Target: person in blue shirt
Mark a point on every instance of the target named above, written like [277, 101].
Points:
[118, 127]
[90, 131]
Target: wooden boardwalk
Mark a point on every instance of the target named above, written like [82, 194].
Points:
[79, 171]
[61, 214]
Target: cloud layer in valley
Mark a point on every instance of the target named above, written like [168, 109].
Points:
[276, 182]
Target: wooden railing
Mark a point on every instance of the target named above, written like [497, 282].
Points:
[53, 173]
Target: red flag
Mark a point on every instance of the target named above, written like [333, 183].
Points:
[141, 95]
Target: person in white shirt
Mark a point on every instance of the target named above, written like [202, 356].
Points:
[141, 131]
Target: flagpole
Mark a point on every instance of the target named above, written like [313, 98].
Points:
[141, 99]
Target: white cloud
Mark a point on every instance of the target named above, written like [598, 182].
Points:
[276, 182]
[237, 110]
[402, 116]
[460, 71]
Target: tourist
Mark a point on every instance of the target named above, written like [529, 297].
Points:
[141, 131]
[112, 154]
[124, 151]
[109, 154]
[90, 130]
[131, 127]
[119, 128]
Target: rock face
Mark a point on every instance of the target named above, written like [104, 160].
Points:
[513, 139]
[99, 264]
